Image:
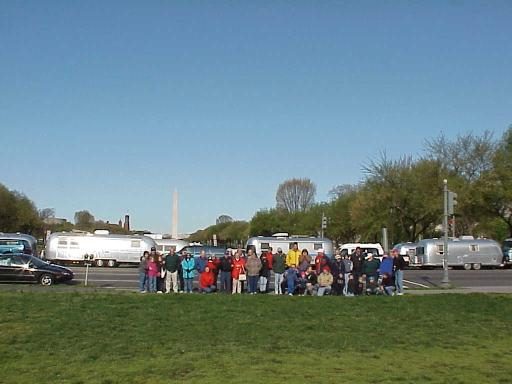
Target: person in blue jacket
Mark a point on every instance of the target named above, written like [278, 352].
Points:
[189, 271]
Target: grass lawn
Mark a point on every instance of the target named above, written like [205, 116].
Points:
[72, 337]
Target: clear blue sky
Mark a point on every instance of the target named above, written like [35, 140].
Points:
[110, 105]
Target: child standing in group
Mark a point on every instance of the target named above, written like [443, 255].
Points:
[152, 273]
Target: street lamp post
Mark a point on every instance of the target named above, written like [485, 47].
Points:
[446, 281]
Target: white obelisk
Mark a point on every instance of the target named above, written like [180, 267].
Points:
[174, 228]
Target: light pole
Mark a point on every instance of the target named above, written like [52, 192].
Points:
[446, 281]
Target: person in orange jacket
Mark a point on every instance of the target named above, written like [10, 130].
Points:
[238, 264]
[206, 281]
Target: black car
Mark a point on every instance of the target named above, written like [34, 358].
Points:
[18, 267]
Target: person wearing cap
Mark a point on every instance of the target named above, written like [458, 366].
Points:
[371, 268]
[225, 272]
[325, 280]
[321, 261]
[398, 267]
[338, 273]
[278, 266]
[292, 257]
[171, 265]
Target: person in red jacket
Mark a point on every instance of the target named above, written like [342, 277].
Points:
[206, 281]
[213, 264]
[238, 264]
[321, 262]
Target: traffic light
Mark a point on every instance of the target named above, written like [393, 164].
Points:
[452, 202]
[324, 222]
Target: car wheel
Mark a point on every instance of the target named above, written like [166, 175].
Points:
[111, 263]
[467, 266]
[46, 279]
[100, 263]
[477, 266]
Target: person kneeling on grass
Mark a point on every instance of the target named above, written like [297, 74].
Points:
[372, 286]
[207, 281]
[325, 281]
[387, 284]
[312, 282]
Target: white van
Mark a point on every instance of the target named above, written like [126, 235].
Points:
[374, 248]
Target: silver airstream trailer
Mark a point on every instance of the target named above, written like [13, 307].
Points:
[18, 242]
[285, 242]
[466, 253]
[107, 250]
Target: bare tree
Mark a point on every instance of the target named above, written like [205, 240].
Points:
[296, 195]
[468, 155]
[224, 219]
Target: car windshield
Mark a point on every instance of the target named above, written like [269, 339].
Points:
[36, 262]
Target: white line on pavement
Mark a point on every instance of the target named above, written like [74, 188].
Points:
[421, 285]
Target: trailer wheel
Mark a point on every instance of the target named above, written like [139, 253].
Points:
[477, 266]
[467, 266]
[100, 263]
[111, 263]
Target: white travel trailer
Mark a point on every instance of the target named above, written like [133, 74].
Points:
[285, 242]
[163, 246]
[107, 250]
[466, 253]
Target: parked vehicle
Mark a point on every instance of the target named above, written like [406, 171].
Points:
[163, 246]
[407, 250]
[106, 249]
[466, 253]
[507, 252]
[195, 250]
[374, 248]
[282, 240]
[19, 267]
[18, 242]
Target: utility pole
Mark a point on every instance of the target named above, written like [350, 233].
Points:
[324, 225]
[446, 281]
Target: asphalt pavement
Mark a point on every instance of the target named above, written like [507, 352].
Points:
[500, 280]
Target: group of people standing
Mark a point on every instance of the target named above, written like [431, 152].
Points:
[294, 273]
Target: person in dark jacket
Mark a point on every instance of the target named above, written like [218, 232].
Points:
[312, 282]
[225, 268]
[338, 272]
[172, 261]
[357, 259]
[371, 268]
[264, 272]
[399, 266]
[278, 266]
[143, 272]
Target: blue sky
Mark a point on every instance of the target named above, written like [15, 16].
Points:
[110, 105]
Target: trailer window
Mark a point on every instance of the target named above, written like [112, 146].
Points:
[265, 246]
[317, 246]
[62, 244]
[473, 247]
[440, 248]
[135, 244]
[73, 244]
[420, 250]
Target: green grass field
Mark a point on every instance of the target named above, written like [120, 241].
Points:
[71, 337]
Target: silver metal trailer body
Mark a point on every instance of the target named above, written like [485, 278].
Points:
[312, 244]
[111, 250]
[466, 253]
[407, 250]
[18, 242]
[163, 246]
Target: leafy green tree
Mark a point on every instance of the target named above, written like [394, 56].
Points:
[18, 213]
[84, 220]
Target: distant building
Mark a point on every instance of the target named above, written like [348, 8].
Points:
[54, 221]
[126, 222]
